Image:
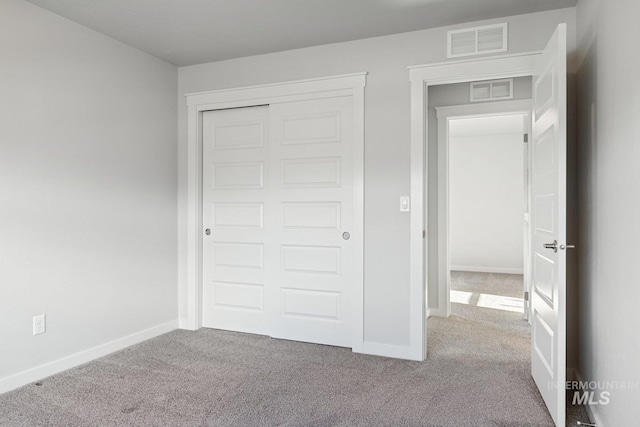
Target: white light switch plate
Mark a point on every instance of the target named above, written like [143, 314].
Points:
[405, 204]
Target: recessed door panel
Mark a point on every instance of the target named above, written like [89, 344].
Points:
[310, 173]
[311, 215]
[544, 90]
[311, 259]
[238, 176]
[238, 215]
[311, 304]
[545, 152]
[543, 342]
[238, 255]
[544, 276]
[544, 213]
[321, 127]
[237, 136]
[238, 296]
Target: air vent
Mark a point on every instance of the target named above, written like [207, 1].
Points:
[494, 90]
[477, 40]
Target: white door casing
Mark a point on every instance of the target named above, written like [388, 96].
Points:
[421, 77]
[549, 179]
[350, 85]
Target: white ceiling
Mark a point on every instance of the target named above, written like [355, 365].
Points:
[186, 32]
[491, 125]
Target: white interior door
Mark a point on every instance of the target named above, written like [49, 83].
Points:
[278, 202]
[549, 149]
[312, 182]
[235, 197]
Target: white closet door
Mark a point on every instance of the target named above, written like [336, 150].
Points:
[311, 182]
[235, 176]
[278, 202]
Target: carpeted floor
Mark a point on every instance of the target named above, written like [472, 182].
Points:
[477, 374]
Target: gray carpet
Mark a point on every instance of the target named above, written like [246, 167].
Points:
[477, 374]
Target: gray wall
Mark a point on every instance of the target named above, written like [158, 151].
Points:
[609, 202]
[445, 96]
[88, 192]
[387, 133]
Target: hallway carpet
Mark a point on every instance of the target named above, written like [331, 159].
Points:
[477, 374]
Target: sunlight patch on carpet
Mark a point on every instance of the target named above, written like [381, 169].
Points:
[496, 302]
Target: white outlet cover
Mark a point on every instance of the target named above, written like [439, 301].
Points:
[39, 324]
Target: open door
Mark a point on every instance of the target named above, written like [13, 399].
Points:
[549, 183]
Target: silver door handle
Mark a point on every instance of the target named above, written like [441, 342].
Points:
[207, 231]
[553, 246]
[346, 235]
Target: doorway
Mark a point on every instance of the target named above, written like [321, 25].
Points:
[486, 209]
[489, 142]
[481, 200]
[548, 183]
[483, 196]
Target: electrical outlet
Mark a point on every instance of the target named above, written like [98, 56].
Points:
[39, 324]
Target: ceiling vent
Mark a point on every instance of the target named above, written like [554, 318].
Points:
[494, 90]
[477, 40]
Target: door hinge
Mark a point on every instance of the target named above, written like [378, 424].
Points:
[424, 233]
[526, 138]
[526, 296]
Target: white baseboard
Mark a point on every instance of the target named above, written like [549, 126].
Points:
[184, 324]
[502, 270]
[389, 350]
[436, 312]
[39, 372]
[594, 415]
[592, 410]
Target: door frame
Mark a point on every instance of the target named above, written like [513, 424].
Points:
[444, 116]
[190, 294]
[421, 77]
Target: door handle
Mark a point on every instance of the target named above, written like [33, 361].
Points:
[553, 246]
[346, 235]
[207, 231]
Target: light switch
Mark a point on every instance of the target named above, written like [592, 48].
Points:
[405, 204]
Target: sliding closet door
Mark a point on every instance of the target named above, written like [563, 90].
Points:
[235, 196]
[311, 154]
[278, 257]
